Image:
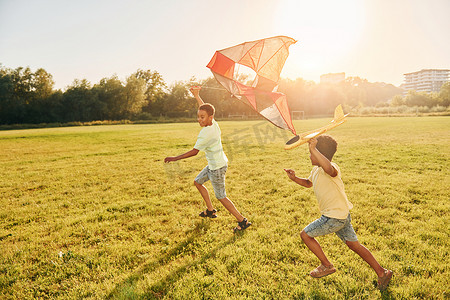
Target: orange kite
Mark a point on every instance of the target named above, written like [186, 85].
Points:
[266, 57]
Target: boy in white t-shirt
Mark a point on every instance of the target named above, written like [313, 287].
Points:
[209, 141]
[335, 209]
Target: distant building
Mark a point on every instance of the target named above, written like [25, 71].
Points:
[426, 80]
[332, 78]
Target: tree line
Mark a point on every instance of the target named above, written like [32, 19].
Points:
[30, 97]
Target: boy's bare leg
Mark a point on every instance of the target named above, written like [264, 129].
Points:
[231, 208]
[315, 247]
[205, 194]
[365, 254]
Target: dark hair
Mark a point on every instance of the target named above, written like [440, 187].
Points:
[327, 146]
[209, 108]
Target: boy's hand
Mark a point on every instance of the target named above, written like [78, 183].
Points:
[195, 90]
[169, 159]
[290, 173]
[312, 144]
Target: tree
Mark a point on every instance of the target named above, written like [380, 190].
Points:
[155, 85]
[444, 94]
[23, 84]
[80, 103]
[38, 108]
[179, 102]
[135, 95]
[15, 94]
[111, 93]
[414, 98]
[296, 92]
[155, 92]
[42, 84]
[12, 110]
[398, 100]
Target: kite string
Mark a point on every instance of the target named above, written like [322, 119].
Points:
[213, 88]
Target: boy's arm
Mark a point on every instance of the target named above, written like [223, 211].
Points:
[301, 181]
[190, 153]
[321, 159]
[195, 90]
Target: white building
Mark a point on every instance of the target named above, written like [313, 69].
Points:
[426, 80]
[332, 78]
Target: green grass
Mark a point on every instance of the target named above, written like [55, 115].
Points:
[93, 212]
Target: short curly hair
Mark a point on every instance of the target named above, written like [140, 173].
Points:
[327, 146]
[209, 108]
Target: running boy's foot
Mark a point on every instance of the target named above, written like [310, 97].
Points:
[383, 281]
[322, 271]
[242, 225]
[208, 214]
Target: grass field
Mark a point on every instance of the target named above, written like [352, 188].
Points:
[93, 212]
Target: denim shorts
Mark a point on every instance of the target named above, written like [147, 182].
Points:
[325, 225]
[217, 178]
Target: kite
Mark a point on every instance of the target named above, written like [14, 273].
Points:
[266, 57]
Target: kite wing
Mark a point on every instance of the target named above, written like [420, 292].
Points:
[266, 58]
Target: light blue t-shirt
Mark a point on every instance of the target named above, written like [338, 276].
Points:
[210, 142]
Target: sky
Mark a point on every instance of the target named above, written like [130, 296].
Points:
[379, 40]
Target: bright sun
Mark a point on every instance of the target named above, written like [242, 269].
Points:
[325, 29]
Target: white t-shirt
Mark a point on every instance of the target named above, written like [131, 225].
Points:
[330, 193]
[210, 142]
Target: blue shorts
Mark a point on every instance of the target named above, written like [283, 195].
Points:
[325, 225]
[217, 178]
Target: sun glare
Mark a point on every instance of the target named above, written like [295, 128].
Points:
[326, 31]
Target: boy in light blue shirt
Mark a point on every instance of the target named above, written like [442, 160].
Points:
[209, 141]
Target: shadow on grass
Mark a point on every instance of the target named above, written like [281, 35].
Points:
[125, 289]
[386, 294]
